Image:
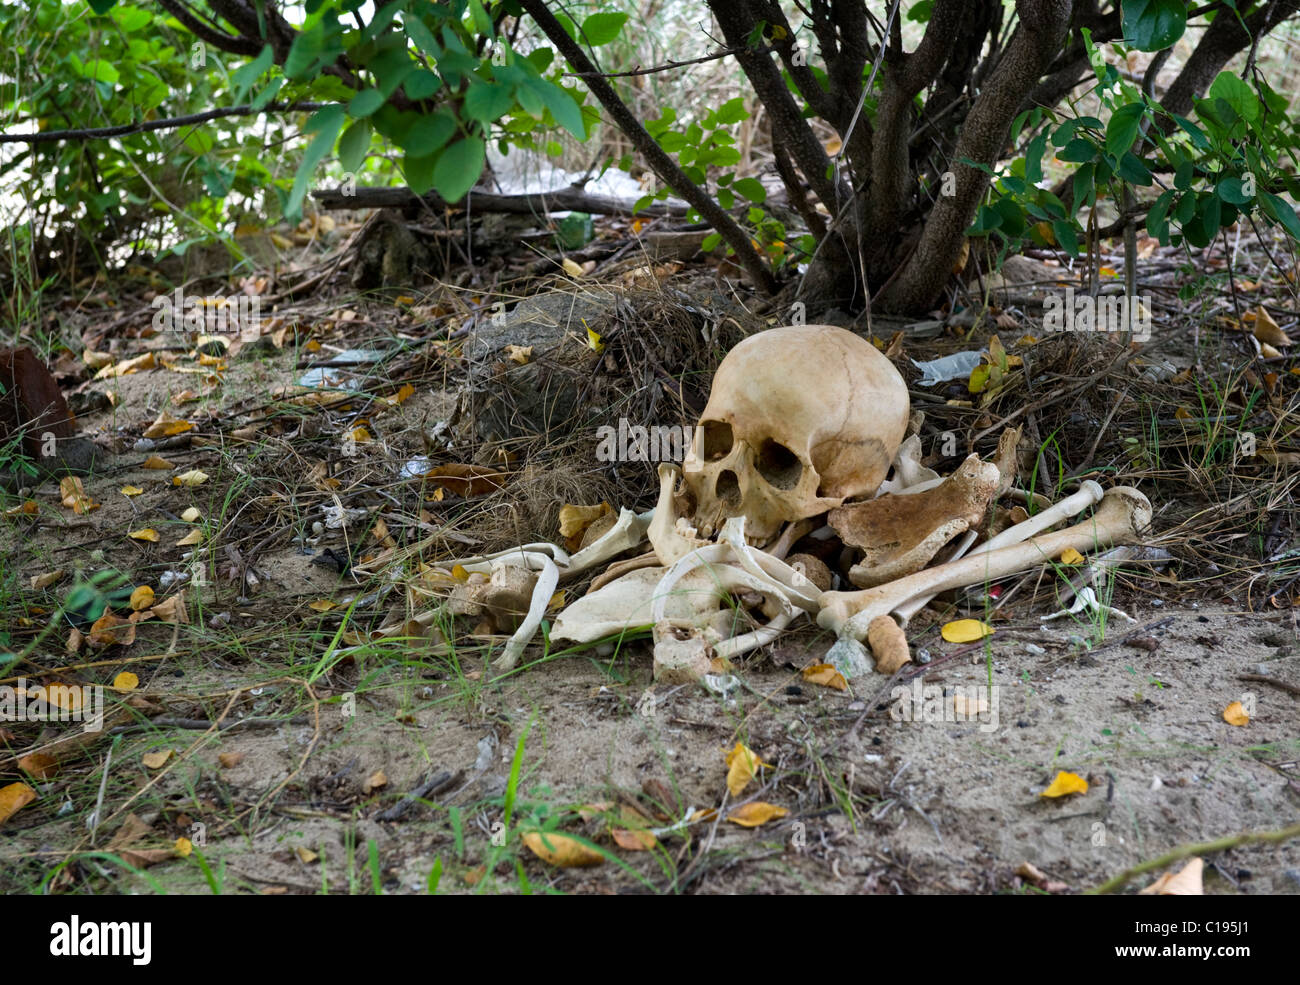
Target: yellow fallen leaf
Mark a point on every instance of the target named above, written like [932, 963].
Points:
[594, 340]
[190, 539]
[192, 515]
[742, 766]
[167, 426]
[375, 781]
[27, 507]
[574, 520]
[1071, 556]
[183, 847]
[194, 477]
[571, 268]
[46, 580]
[148, 533]
[130, 490]
[126, 681]
[1185, 882]
[14, 798]
[360, 435]
[155, 462]
[322, 605]
[1183, 414]
[96, 360]
[128, 366]
[305, 855]
[74, 496]
[826, 675]
[1235, 714]
[966, 631]
[1065, 783]
[142, 597]
[404, 393]
[154, 760]
[759, 812]
[561, 850]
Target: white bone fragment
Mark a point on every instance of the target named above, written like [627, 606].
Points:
[627, 533]
[1086, 600]
[1120, 518]
[542, 592]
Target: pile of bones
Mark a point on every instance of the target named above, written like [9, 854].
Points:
[803, 455]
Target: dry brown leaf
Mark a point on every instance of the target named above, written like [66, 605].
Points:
[634, 840]
[1185, 882]
[190, 539]
[128, 366]
[229, 760]
[46, 580]
[1267, 330]
[466, 480]
[154, 760]
[156, 462]
[40, 765]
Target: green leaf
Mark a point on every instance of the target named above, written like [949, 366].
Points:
[732, 111]
[325, 123]
[430, 133]
[1066, 238]
[1122, 130]
[244, 77]
[711, 242]
[1183, 176]
[1078, 151]
[418, 171]
[482, 22]
[1034, 158]
[488, 101]
[102, 6]
[421, 84]
[1150, 25]
[423, 38]
[1199, 140]
[752, 189]
[458, 168]
[353, 145]
[308, 46]
[1240, 96]
[365, 103]
[1280, 210]
[1232, 190]
[562, 104]
[1134, 170]
[602, 28]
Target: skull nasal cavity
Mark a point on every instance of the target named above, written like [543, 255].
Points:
[727, 490]
[717, 440]
[778, 465]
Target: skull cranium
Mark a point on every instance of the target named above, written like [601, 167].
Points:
[800, 419]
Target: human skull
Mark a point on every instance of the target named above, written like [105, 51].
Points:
[800, 419]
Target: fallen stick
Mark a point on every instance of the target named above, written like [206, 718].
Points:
[564, 200]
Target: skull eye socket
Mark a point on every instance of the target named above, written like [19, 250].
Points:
[717, 440]
[778, 465]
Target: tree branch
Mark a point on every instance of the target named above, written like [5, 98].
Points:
[145, 126]
[655, 156]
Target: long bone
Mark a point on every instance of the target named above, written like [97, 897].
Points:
[1120, 518]
[1088, 494]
